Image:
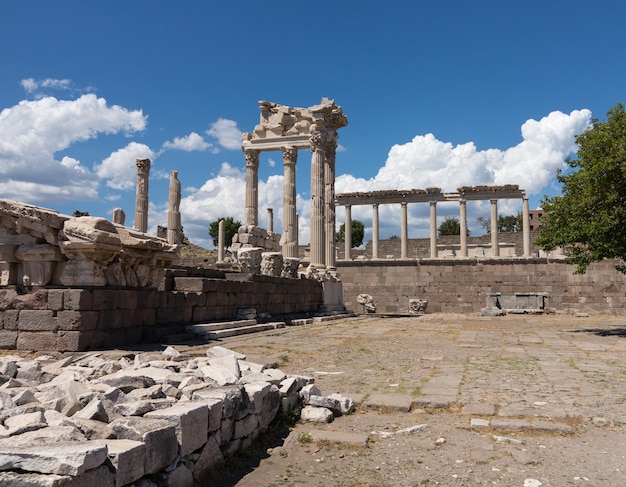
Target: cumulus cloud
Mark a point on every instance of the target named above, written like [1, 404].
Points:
[119, 169]
[32, 132]
[226, 133]
[188, 143]
[32, 86]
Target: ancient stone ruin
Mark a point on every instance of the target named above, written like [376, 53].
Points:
[149, 419]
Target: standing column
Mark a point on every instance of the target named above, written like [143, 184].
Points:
[270, 220]
[220, 241]
[375, 231]
[141, 200]
[347, 233]
[404, 232]
[252, 187]
[173, 212]
[495, 250]
[433, 229]
[317, 140]
[290, 218]
[526, 227]
[329, 204]
[463, 222]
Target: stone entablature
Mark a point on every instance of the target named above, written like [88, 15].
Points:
[40, 247]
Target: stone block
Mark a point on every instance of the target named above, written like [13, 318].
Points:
[256, 393]
[191, 421]
[76, 320]
[8, 339]
[127, 458]
[36, 320]
[97, 477]
[210, 457]
[55, 299]
[158, 435]
[9, 319]
[78, 299]
[214, 407]
[246, 426]
[72, 458]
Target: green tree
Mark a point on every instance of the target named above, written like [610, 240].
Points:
[358, 233]
[230, 229]
[449, 226]
[509, 223]
[589, 218]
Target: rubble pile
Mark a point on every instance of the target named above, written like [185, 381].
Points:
[144, 419]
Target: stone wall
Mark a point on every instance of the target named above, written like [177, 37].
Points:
[91, 318]
[462, 286]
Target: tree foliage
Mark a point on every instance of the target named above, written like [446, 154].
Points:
[589, 218]
[358, 233]
[450, 226]
[508, 223]
[230, 229]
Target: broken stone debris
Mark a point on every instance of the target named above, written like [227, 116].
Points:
[143, 419]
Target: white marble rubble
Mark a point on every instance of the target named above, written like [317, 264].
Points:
[130, 419]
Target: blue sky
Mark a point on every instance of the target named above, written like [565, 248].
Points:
[439, 93]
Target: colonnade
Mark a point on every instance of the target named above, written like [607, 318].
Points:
[433, 196]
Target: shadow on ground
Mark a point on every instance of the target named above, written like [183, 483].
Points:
[604, 332]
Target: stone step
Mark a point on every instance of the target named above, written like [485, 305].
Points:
[210, 327]
[240, 330]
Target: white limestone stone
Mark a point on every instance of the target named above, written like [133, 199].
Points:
[191, 421]
[316, 414]
[346, 404]
[72, 458]
[218, 351]
[127, 458]
[219, 374]
[158, 435]
[210, 457]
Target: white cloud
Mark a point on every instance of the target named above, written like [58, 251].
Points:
[31, 85]
[226, 133]
[188, 143]
[119, 169]
[31, 132]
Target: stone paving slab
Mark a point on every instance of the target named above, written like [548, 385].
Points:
[393, 401]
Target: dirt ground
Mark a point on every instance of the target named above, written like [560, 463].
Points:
[531, 401]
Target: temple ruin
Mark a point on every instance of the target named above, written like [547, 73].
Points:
[289, 130]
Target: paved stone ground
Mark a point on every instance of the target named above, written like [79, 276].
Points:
[517, 400]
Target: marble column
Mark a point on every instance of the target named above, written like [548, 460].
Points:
[252, 187]
[463, 225]
[329, 204]
[404, 232]
[141, 200]
[221, 237]
[495, 250]
[375, 236]
[290, 218]
[118, 216]
[317, 141]
[526, 227]
[174, 226]
[270, 220]
[433, 229]
[348, 233]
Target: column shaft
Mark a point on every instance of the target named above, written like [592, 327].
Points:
[141, 200]
[495, 250]
[290, 218]
[433, 229]
[526, 227]
[329, 205]
[375, 236]
[252, 187]
[317, 201]
[404, 233]
[347, 233]
[463, 225]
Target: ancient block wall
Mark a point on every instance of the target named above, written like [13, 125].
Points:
[462, 286]
[82, 319]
